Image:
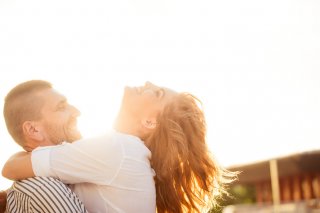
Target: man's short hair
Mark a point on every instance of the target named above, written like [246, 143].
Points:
[21, 104]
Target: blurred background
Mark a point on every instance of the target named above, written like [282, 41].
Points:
[254, 64]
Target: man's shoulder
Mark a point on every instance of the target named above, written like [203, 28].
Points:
[43, 194]
[32, 186]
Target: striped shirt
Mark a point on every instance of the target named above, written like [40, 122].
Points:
[43, 195]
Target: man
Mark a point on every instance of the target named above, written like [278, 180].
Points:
[36, 115]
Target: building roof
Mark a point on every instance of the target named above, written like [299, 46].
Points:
[305, 162]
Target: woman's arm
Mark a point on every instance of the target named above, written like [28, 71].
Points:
[21, 162]
[95, 160]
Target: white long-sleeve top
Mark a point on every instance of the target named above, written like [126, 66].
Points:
[110, 173]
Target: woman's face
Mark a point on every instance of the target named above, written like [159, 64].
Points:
[147, 100]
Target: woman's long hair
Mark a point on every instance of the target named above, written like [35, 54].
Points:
[187, 177]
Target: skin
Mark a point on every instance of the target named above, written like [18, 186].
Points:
[137, 116]
[57, 124]
[140, 107]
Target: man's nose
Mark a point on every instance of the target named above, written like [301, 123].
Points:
[75, 111]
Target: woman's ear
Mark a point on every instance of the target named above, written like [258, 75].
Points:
[149, 123]
[31, 130]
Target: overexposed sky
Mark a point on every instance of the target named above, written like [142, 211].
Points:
[254, 64]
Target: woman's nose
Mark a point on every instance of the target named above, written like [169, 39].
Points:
[148, 84]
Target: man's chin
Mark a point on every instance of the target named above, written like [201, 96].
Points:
[74, 137]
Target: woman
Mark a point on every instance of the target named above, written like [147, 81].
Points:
[187, 177]
[172, 127]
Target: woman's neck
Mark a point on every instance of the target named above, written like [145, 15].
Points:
[127, 125]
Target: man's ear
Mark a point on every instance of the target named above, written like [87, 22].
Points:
[31, 130]
[149, 123]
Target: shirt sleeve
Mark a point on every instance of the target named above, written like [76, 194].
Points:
[40, 159]
[95, 160]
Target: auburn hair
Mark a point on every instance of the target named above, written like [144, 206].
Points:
[188, 179]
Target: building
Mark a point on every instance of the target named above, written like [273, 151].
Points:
[288, 184]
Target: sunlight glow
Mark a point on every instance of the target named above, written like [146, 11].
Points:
[254, 65]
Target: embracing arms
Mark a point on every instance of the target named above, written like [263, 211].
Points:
[92, 160]
[21, 162]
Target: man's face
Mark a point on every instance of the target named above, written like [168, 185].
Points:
[59, 118]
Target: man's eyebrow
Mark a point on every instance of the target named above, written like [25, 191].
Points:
[61, 102]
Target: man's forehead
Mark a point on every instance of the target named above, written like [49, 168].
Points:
[58, 94]
[52, 97]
